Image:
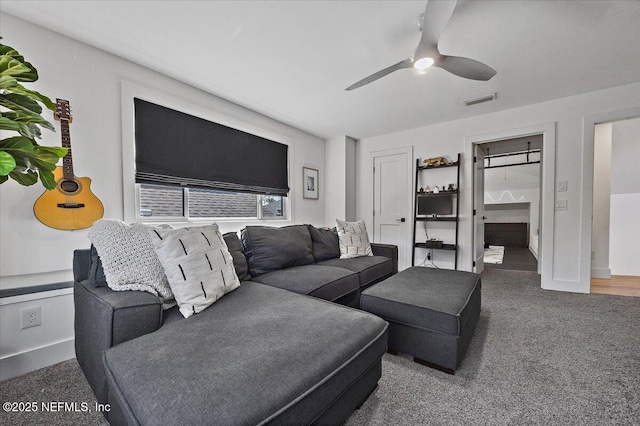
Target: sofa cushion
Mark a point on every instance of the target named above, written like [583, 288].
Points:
[325, 243]
[239, 261]
[269, 248]
[198, 265]
[96, 273]
[128, 258]
[324, 282]
[354, 241]
[257, 365]
[370, 269]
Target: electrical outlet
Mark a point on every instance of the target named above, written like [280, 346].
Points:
[562, 186]
[31, 317]
[561, 204]
[428, 256]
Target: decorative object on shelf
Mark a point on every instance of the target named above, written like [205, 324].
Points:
[310, 183]
[71, 205]
[437, 162]
[436, 190]
[452, 187]
[428, 190]
[421, 190]
[21, 158]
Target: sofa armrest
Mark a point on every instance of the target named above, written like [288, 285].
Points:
[105, 318]
[387, 250]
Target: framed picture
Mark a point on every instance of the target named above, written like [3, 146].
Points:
[310, 183]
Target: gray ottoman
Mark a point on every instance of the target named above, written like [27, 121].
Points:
[432, 313]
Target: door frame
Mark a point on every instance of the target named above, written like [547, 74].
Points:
[408, 150]
[547, 189]
[588, 140]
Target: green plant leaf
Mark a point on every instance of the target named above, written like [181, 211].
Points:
[22, 103]
[7, 82]
[7, 123]
[12, 63]
[24, 117]
[27, 179]
[58, 151]
[7, 163]
[47, 179]
[36, 96]
[18, 144]
[3, 179]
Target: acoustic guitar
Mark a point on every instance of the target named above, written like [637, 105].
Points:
[71, 205]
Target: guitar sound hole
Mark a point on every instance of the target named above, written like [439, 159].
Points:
[69, 186]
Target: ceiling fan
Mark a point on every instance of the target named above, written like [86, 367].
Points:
[435, 18]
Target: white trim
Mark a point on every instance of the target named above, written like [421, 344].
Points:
[547, 191]
[38, 278]
[601, 273]
[10, 300]
[586, 226]
[130, 90]
[408, 150]
[25, 362]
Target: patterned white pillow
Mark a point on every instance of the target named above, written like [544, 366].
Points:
[128, 258]
[198, 265]
[354, 241]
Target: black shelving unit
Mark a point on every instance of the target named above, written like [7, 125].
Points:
[455, 218]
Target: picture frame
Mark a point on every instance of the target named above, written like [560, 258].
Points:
[310, 183]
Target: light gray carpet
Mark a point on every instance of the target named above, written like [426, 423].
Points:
[537, 357]
[516, 258]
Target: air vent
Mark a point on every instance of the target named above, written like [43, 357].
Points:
[480, 100]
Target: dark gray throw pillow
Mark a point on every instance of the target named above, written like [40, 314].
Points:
[239, 261]
[270, 249]
[96, 273]
[325, 243]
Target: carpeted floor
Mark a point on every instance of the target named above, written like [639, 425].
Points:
[537, 357]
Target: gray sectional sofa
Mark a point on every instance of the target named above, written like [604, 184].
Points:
[265, 353]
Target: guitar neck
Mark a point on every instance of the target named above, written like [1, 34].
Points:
[67, 161]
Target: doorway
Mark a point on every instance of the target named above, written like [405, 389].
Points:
[475, 196]
[615, 238]
[392, 204]
[511, 210]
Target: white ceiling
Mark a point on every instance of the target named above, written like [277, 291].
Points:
[292, 60]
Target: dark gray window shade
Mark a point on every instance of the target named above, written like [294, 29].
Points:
[174, 148]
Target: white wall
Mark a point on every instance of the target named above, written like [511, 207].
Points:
[91, 80]
[567, 114]
[601, 201]
[340, 156]
[624, 243]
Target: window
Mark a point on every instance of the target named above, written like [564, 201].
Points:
[162, 201]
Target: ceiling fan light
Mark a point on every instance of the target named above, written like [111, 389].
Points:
[423, 63]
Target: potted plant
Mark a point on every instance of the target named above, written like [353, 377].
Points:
[21, 157]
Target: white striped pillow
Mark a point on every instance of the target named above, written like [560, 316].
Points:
[198, 265]
[354, 241]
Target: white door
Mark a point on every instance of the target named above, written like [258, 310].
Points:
[478, 209]
[392, 207]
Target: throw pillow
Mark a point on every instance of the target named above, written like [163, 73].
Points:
[325, 243]
[239, 261]
[96, 273]
[354, 241]
[128, 258]
[198, 265]
[270, 249]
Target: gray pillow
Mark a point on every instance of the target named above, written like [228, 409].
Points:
[239, 261]
[96, 273]
[198, 265]
[325, 243]
[270, 249]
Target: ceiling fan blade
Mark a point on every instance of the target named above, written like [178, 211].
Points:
[465, 67]
[436, 17]
[373, 77]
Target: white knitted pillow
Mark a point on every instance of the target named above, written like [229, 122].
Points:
[354, 241]
[198, 265]
[128, 258]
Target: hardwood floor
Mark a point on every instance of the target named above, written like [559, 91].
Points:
[620, 285]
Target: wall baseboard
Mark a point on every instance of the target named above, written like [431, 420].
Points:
[28, 361]
[534, 252]
[601, 273]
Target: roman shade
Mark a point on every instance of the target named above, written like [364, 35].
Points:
[174, 148]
